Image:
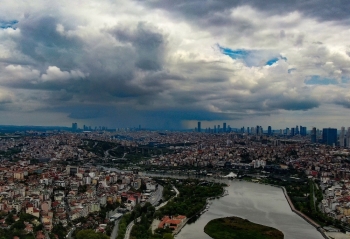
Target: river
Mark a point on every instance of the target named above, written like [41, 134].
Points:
[258, 203]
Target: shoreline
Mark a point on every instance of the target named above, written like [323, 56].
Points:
[302, 215]
[291, 205]
[223, 194]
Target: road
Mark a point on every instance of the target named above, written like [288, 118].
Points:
[114, 233]
[165, 203]
[128, 230]
[66, 205]
[69, 235]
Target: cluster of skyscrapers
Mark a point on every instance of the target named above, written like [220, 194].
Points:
[215, 129]
[330, 137]
[87, 128]
[255, 130]
[327, 136]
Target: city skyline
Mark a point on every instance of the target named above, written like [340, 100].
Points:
[169, 64]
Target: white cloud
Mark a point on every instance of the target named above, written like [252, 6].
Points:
[54, 73]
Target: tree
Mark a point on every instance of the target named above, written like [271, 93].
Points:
[9, 219]
[19, 225]
[168, 236]
[59, 230]
[90, 234]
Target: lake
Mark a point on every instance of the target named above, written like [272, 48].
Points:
[258, 203]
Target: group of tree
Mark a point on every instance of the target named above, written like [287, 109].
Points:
[168, 192]
[142, 217]
[90, 234]
[109, 207]
[192, 197]
[190, 201]
[58, 230]
[306, 198]
[16, 228]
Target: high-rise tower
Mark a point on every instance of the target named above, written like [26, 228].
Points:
[199, 129]
[342, 137]
[329, 136]
[348, 138]
[313, 135]
[74, 126]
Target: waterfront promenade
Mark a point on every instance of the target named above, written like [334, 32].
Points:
[302, 215]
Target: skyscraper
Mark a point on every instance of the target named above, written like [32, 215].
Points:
[74, 126]
[287, 131]
[224, 127]
[313, 135]
[199, 129]
[269, 130]
[348, 138]
[302, 130]
[342, 137]
[297, 129]
[329, 136]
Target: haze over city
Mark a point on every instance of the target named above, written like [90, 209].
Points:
[169, 64]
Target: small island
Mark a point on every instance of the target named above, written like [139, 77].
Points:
[238, 228]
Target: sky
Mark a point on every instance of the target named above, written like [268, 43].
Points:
[167, 64]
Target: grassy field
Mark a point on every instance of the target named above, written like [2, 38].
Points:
[238, 228]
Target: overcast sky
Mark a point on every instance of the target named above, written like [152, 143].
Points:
[169, 64]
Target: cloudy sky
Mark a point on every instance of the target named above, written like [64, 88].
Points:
[169, 64]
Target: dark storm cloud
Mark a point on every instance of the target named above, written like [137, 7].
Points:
[111, 69]
[41, 41]
[344, 103]
[215, 11]
[186, 114]
[90, 112]
[293, 104]
[172, 118]
[217, 79]
[161, 119]
[87, 111]
[148, 43]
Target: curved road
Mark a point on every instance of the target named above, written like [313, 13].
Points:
[154, 199]
[114, 233]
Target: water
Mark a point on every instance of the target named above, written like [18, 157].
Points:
[258, 203]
